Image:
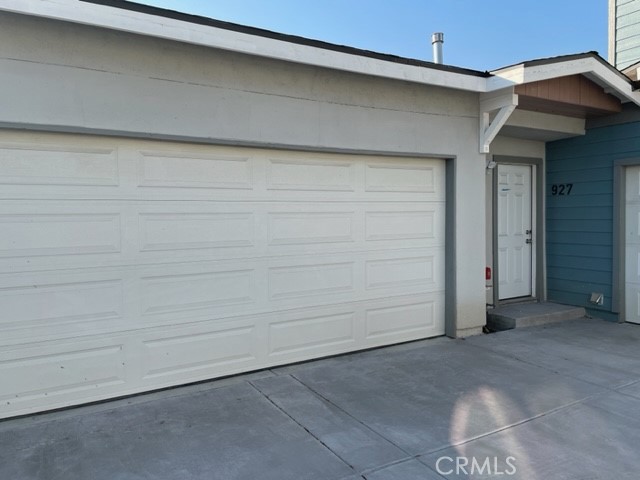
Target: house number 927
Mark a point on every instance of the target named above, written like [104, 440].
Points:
[561, 189]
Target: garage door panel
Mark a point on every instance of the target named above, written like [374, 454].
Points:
[62, 373]
[57, 165]
[632, 270]
[402, 176]
[303, 333]
[58, 374]
[632, 223]
[89, 234]
[314, 279]
[311, 228]
[174, 232]
[403, 270]
[37, 234]
[184, 292]
[188, 292]
[309, 173]
[67, 166]
[40, 305]
[424, 222]
[186, 172]
[420, 316]
[197, 352]
[632, 302]
[76, 302]
[197, 171]
[395, 273]
[131, 265]
[71, 234]
[244, 229]
[632, 190]
[188, 231]
[56, 234]
[49, 169]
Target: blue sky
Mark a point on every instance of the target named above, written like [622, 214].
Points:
[479, 34]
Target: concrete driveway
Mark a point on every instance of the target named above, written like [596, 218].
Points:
[554, 402]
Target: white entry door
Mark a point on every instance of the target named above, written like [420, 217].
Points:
[515, 252]
[632, 245]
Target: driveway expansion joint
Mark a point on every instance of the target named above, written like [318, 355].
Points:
[301, 426]
[360, 422]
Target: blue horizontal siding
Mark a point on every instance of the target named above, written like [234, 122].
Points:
[580, 226]
[581, 162]
[582, 274]
[624, 146]
[584, 251]
[577, 174]
[580, 288]
[581, 238]
[580, 200]
[602, 265]
[595, 213]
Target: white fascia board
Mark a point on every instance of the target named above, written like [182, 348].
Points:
[595, 70]
[208, 36]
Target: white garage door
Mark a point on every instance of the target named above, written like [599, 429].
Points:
[133, 265]
[632, 240]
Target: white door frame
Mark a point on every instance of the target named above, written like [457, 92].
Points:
[538, 284]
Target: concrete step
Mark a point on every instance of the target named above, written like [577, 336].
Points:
[518, 315]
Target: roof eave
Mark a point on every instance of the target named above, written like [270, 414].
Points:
[589, 65]
[103, 16]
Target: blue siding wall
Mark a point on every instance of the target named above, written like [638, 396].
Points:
[580, 225]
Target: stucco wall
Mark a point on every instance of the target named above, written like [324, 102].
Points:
[517, 147]
[161, 87]
[64, 77]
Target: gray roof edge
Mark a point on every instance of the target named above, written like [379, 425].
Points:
[260, 32]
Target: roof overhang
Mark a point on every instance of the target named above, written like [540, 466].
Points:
[160, 23]
[155, 25]
[589, 64]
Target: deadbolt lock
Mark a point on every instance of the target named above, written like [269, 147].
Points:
[528, 240]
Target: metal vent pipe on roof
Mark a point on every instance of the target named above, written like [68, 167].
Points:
[437, 39]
